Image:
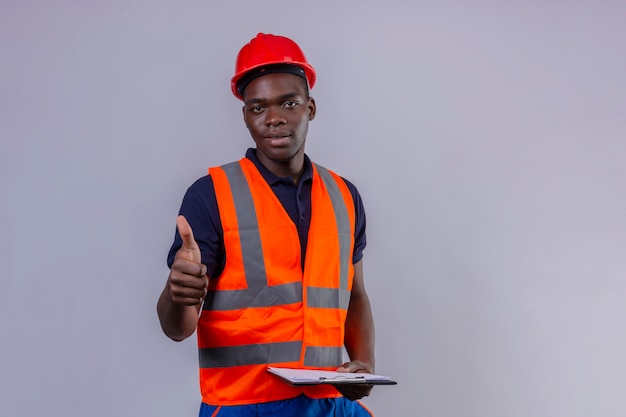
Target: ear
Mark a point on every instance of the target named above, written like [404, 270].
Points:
[312, 108]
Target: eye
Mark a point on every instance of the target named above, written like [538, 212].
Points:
[255, 109]
[290, 104]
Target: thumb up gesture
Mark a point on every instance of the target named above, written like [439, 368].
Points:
[187, 280]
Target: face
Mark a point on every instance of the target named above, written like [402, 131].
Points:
[277, 111]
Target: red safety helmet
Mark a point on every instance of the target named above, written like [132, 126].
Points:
[266, 49]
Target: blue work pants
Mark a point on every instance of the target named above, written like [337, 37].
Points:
[301, 406]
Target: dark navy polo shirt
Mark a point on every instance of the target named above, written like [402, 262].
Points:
[200, 208]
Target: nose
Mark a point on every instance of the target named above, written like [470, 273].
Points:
[274, 117]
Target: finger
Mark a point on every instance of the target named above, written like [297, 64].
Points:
[354, 392]
[186, 234]
[187, 289]
[181, 293]
[184, 266]
[356, 366]
[187, 301]
[349, 367]
[189, 248]
[192, 280]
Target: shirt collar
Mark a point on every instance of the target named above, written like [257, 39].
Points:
[272, 178]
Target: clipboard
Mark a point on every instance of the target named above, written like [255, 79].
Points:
[318, 377]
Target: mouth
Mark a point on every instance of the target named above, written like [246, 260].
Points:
[277, 135]
[277, 138]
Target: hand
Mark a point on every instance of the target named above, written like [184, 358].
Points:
[187, 281]
[355, 391]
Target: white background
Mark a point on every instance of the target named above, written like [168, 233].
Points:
[488, 139]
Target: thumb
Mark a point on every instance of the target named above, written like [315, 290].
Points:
[190, 248]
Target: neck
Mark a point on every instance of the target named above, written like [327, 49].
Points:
[293, 167]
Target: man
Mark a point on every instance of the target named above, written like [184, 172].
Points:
[266, 263]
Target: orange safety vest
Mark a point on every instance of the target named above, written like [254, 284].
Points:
[263, 309]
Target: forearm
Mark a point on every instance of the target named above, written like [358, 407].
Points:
[360, 337]
[177, 321]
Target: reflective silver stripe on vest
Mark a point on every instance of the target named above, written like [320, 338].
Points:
[269, 353]
[328, 297]
[322, 356]
[323, 297]
[258, 293]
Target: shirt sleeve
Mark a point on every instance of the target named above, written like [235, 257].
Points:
[360, 240]
[199, 207]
